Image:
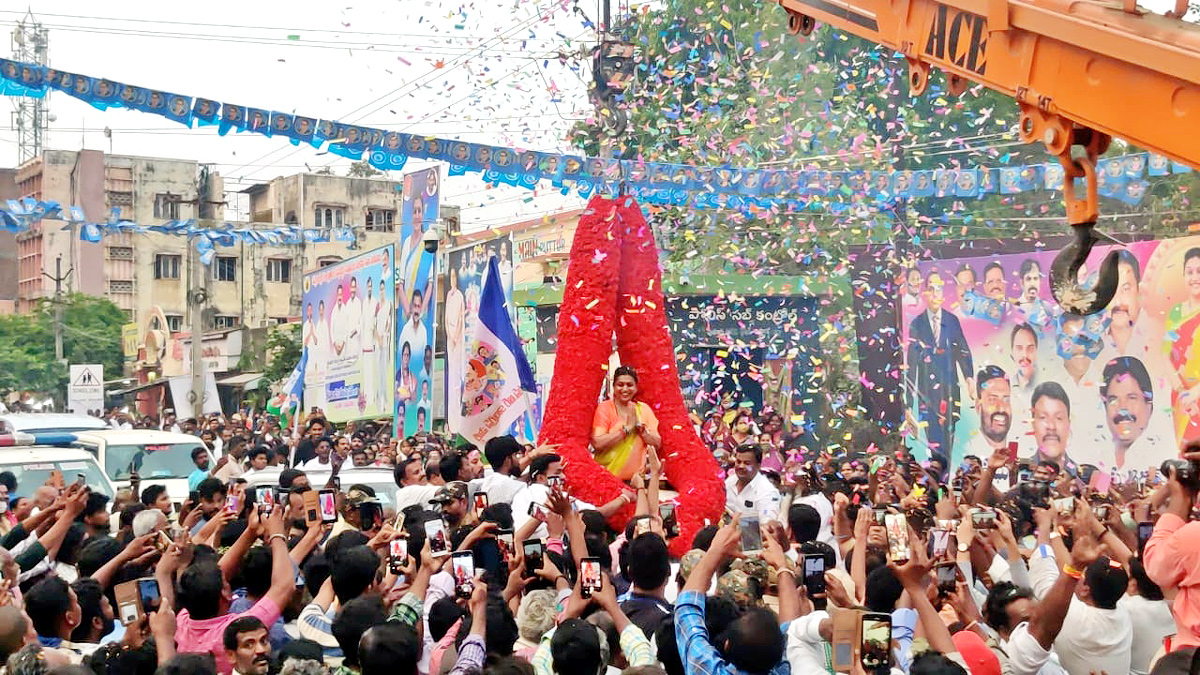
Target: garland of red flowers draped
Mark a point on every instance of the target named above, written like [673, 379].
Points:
[614, 253]
[585, 328]
[644, 342]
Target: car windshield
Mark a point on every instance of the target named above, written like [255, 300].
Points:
[38, 473]
[168, 460]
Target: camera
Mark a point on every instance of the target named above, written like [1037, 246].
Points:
[1186, 472]
[430, 239]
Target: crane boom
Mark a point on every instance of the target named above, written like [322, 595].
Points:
[1121, 71]
[1082, 71]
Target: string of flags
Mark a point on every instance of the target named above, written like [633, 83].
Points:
[22, 214]
[721, 187]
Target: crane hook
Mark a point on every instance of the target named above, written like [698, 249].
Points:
[1072, 295]
[1082, 212]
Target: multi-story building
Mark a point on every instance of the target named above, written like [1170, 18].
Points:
[251, 285]
[136, 272]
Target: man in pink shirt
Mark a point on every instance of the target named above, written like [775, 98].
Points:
[204, 595]
[1172, 555]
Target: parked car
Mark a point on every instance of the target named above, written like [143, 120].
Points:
[159, 457]
[43, 422]
[33, 464]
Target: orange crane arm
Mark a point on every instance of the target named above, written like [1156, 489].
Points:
[1072, 65]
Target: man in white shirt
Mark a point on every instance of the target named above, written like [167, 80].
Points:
[353, 328]
[414, 331]
[370, 347]
[504, 482]
[337, 325]
[322, 462]
[748, 492]
[1135, 437]
[1097, 633]
[414, 488]
[993, 403]
[384, 341]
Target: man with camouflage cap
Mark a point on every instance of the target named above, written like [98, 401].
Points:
[351, 516]
[454, 498]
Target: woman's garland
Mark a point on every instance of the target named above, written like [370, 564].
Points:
[614, 282]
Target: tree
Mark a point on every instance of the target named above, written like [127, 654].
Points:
[91, 334]
[363, 169]
[283, 352]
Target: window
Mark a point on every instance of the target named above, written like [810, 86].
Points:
[224, 321]
[166, 206]
[278, 320]
[330, 216]
[166, 266]
[120, 252]
[381, 220]
[279, 269]
[174, 322]
[225, 268]
[326, 261]
[119, 286]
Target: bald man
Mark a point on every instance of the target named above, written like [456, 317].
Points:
[15, 630]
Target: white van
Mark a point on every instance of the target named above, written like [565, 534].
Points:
[32, 423]
[159, 457]
[33, 464]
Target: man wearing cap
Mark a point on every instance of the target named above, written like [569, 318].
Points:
[454, 499]
[351, 516]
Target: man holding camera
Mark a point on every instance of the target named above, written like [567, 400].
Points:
[1172, 555]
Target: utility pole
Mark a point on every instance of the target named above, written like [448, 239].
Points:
[58, 278]
[198, 295]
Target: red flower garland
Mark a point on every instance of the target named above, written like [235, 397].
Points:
[613, 251]
[644, 342]
[585, 329]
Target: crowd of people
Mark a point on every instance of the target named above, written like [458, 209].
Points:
[482, 561]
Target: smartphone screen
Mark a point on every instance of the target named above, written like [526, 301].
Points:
[814, 574]
[666, 511]
[481, 502]
[462, 566]
[875, 652]
[328, 505]
[504, 540]
[538, 511]
[231, 503]
[983, 519]
[1100, 511]
[533, 549]
[751, 534]
[1065, 504]
[1144, 530]
[641, 525]
[264, 497]
[939, 542]
[80, 480]
[397, 555]
[947, 578]
[148, 595]
[435, 532]
[897, 534]
[590, 579]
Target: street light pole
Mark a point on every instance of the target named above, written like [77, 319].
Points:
[58, 278]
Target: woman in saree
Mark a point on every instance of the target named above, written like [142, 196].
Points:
[1182, 345]
[622, 428]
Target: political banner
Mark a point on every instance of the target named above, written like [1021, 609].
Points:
[416, 299]
[499, 382]
[349, 336]
[467, 268]
[992, 359]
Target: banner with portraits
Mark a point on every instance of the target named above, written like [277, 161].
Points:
[467, 268]
[348, 334]
[991, 359]
[416, 300]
